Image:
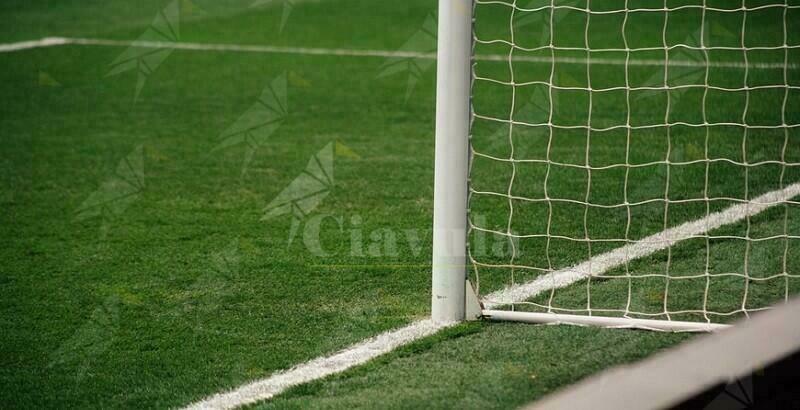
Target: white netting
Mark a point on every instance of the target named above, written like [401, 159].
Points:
[636, 159]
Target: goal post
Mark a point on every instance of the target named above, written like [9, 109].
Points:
[616, 163]
[454, 75]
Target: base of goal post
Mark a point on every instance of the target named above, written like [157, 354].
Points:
[472, 305]
[602, 321]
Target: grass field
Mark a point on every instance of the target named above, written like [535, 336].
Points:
[140, 270]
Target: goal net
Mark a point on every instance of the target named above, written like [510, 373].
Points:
[634, 162]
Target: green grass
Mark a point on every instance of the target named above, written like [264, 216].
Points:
[175, 330]
[477, 366]
[178, 289]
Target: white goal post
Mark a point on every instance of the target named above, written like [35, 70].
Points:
[756, 114]
[454, 74]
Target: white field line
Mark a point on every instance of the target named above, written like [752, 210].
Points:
[25, 45]
[362, 352]
[320, 367]
[344, 52]
[644, 247]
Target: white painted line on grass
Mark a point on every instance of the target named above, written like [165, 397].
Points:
[320, 367]
[386, 342]
[639, 249]
[25, 45]
[345, 52]
[244, 48]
